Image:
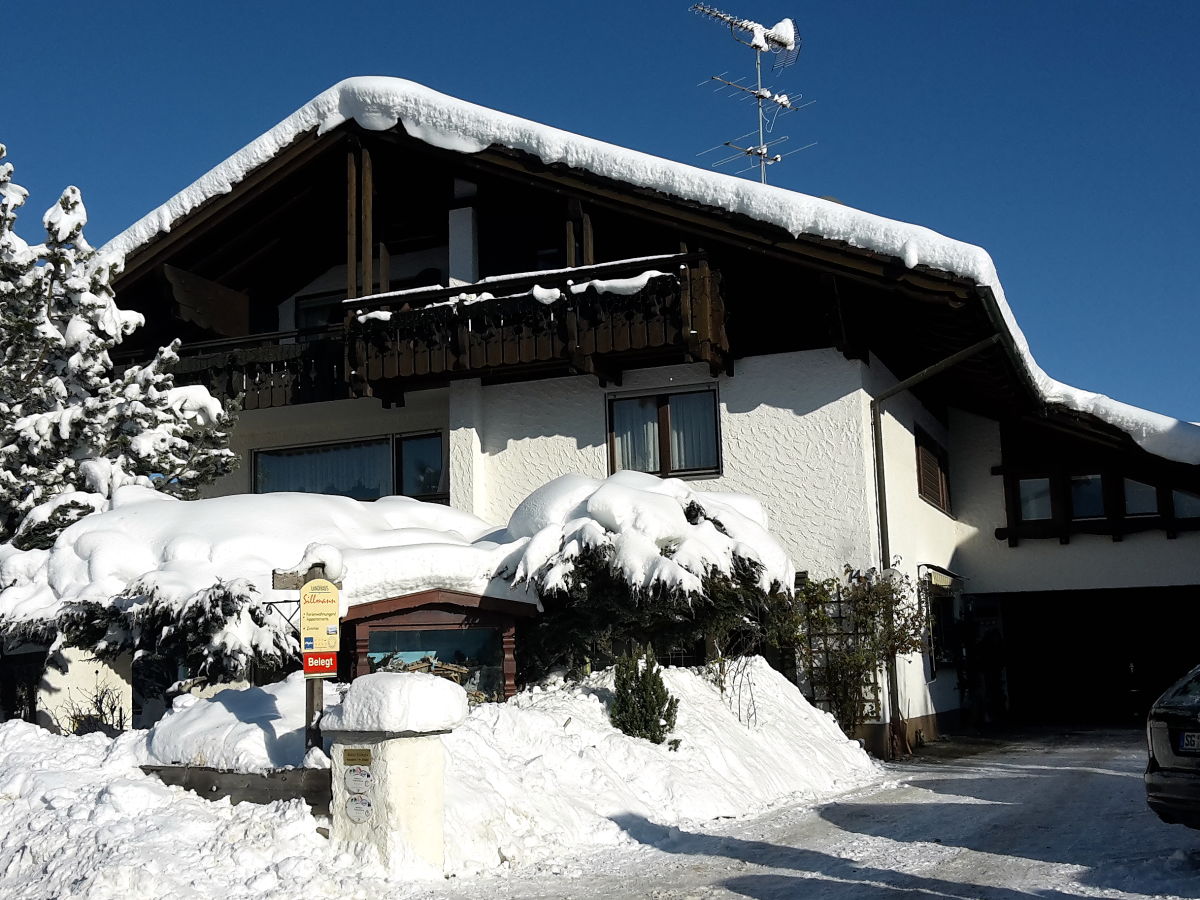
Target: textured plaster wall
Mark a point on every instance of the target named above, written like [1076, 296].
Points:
[1088, 561]
[467, 476]
[86, 684]
[792, 434]
[534, 431]
[310, 423]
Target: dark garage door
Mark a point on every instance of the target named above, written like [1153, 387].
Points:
[1095, 657]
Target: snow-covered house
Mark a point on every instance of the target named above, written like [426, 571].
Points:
[417, 295]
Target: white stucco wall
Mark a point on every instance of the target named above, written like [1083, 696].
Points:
[918, 532]
[310, 423]
[87, 683]
[1088, 561]
[792, 434]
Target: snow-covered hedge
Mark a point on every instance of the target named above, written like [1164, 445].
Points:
[189, 580]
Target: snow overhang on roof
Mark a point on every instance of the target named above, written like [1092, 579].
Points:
[379, 103]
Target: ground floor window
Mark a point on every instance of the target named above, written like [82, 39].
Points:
[412, 465]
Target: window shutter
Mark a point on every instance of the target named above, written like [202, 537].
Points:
[932, 482]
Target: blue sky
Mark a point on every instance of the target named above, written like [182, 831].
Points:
[1063, 137]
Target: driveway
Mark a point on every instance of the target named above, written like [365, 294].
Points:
[1058, 814]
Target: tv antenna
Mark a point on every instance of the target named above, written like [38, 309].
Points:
[783, 43]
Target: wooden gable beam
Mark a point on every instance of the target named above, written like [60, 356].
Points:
[212, 306]
[150, 255]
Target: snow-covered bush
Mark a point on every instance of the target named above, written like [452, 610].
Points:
[71, 429]
[595, 610]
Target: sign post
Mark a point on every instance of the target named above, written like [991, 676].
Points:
[320, 638]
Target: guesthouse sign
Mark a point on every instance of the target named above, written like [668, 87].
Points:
[320, 634]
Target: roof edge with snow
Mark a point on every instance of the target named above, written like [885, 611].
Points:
[378, 103]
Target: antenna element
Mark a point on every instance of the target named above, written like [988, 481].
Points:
[782, 41]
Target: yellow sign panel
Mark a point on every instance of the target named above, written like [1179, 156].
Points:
[319, 616]
[356, 756]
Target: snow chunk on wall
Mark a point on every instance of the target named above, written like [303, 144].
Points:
[399, 702]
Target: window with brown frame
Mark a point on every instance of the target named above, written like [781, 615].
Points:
[933, 479]
[412, 465]
[665, 434]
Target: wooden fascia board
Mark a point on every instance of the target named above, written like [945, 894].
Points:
[388, 605]
[157, 249]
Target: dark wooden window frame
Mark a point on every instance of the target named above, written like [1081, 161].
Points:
[663, 403]
[396, 444]
[1115, 522]
[933, 471]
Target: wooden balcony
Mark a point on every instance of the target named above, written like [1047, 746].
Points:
[267, 370]
[599, 319]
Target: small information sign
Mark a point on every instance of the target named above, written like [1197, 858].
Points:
[320, 665]
[358, 809]
[358, 779]
[320, 627]
[356, 756]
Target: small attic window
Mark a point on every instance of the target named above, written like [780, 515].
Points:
[933, 472]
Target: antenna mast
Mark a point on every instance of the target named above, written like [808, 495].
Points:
[782, 41]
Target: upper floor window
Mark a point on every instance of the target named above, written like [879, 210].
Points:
[1087, 497]
[933, 475]
[1034, 496]
[665, 434]
[1141, 499]
[1187, 504]
[412, 465]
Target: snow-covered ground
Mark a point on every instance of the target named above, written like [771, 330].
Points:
[1055, 816]
[530, 784]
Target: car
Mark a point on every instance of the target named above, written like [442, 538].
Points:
[1173, 740]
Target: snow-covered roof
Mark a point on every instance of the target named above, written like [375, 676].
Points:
[379, 103]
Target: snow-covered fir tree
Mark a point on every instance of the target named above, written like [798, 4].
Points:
[22, 309]
[73, 431]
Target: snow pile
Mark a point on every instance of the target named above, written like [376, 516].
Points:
[250, 730]
[185, 555]
[545, 773]
[398, 702]
[82, 821]
[379, 103]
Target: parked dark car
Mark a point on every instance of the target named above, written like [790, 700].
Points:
[1173, 736]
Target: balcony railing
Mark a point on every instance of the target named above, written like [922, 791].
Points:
[266, 370]
[595, 319]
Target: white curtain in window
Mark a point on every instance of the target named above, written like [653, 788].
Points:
[635, 433]
[362, 470]
[693, 431]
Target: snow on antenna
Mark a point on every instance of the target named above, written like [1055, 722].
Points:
[782, 41]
